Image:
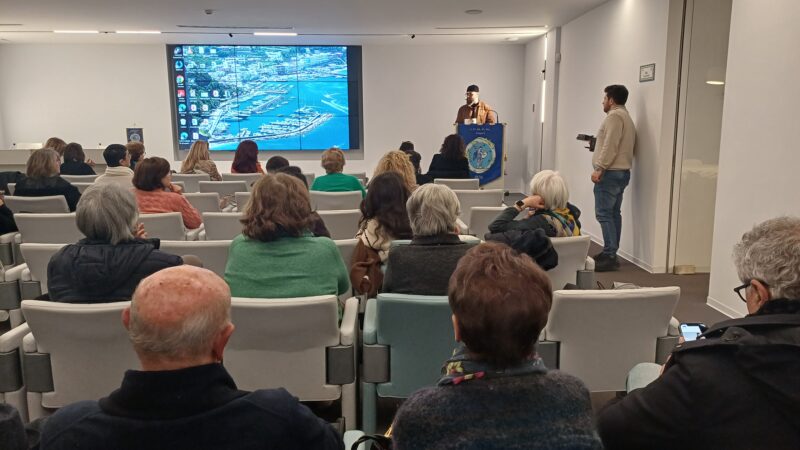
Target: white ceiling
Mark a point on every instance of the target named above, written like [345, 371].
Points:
[317, 21]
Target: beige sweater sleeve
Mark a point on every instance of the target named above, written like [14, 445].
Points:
[613, 126]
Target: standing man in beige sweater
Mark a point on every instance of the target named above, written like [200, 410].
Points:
[612, 171]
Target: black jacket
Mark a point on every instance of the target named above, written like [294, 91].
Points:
[442, 167]
[409, 267]
[505, 221]
[533, 243]
[76, 168]
[739, 388]
[97, 272]
[42, 187]
[193, 408]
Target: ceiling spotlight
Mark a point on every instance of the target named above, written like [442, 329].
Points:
[473, 11]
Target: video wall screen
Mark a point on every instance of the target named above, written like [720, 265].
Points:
[281, 97]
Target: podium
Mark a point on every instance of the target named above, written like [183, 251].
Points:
[485, 151]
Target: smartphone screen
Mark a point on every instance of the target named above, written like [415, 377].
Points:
[690, 331]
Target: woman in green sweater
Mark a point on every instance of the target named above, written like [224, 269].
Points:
[334, 180]
[276, 256]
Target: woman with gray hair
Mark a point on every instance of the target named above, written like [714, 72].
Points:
[547, 208]
[424, 266]
[115, 255]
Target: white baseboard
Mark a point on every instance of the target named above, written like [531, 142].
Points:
[723, 308]
[636, 261]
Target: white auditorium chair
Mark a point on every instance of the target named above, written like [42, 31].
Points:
[309, 179]
[346, 248]
[471, 198]
[223, 188]
[88, 179]
[480, 217]
[8, 242]
[600, 335]
[459, 183]
[52, 228]
[248, 178]
[221, 226]
[12, 383]
[82, 186]
[10, 312]
[329, 201]
[190, 180]
[575, 266]
[45, 204]
[342, 224]
[241, 200]
[74, 352]
[213, 254]
[203, 201]
[296, 344]
[168, 226]
[33, 280]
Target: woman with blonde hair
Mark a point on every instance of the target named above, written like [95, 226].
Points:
[56, 144]
[398, 162]
[276, 256]
[43, 178]
[199, 160]
[334, 180]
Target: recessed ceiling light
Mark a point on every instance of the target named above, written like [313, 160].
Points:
[511, 39]
[137, 32]
[76, 31]
[271, 33]
[715, 82]
[473, 11]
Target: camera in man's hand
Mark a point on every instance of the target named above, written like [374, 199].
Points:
[588, 138]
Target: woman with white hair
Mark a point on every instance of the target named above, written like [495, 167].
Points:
[115, 255]
[548, 209]
[424, 266]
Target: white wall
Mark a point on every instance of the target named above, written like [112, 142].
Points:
[532, 96]
[606, 46]
[90, 93]
[759, 161]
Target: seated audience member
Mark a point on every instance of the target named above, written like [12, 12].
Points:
[56, 144]
[276, 256]
[547, 207]
[317, 226]
[276, 163]
[495, 391]
[334, 180]
[399, 163]
[43, 179]
[75, 161]
[155, 192]
[136, 150]
[198, 160]
[383, 213]
[7, 223]
[118, 170]
[424, 266]
[451, 161]
[407, 147]
[113, 258]
[245, 160]
[183, 398]
[737, 386]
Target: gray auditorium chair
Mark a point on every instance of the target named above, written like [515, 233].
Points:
[480, 217]
[34, 277]
[52, 228]
[223, 188]
[575, 266]
[309, 178]
[167, 226]
[248, 178]
[342, 224]
[213, 254]
[45, 204]
[221, 226]
[203, 201]
[241, 200]
[329, 201]
[457, 183]
[89, 179]
[190, 180]
[470, 198]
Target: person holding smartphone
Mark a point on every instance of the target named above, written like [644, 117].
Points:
[737, 387]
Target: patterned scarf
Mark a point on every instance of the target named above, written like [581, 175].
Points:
[461, 367]
[567, 221]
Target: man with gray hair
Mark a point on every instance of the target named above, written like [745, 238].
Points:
[424, 266]
[183, 398]
[736, 387]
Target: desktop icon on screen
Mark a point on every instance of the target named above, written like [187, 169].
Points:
[194, 122]
[179, 79]
[181, 107]
[179, 65]
[177, 51]
[193, 107]
[205, 108]
[181, 93]
[183, 122]
[184, 135]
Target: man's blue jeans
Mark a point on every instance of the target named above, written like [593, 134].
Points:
[607, 204]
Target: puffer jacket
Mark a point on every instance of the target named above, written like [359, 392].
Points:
[541, 219]
[98, 272]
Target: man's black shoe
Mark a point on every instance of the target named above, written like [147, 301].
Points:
[606, 264]
[600, 256]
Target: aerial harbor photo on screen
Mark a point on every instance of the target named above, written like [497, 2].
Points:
[283, 98]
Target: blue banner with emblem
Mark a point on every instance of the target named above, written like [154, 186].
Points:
[484, 150]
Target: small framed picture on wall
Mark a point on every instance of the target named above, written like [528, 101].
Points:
[647, 72]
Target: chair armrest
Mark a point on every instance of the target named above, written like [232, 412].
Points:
[8, 238]
[370, 334]
[14, 273]
[18, 239]
[13, 338]
[350, 437]
[674, 327]
[589, 264]
[26, 274]
[192, 235]
[664, 347]
[349, 325]
[29, 343]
